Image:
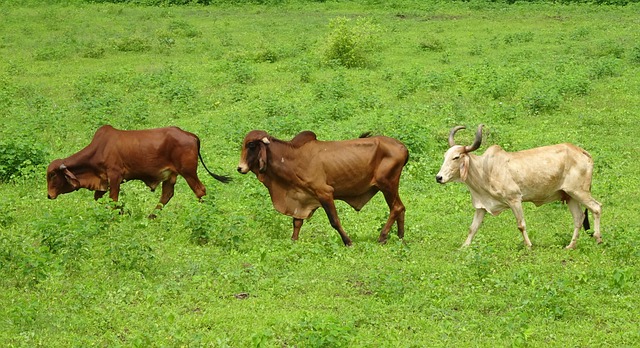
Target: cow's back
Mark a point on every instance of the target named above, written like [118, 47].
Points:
[541, 171]
[352, 164]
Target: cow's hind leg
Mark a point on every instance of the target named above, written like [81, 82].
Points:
[196, 185]
[578, 218]
[594, 207]
[167, 192]
[396, 213]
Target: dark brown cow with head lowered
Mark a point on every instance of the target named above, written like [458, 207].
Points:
[305, 174]
[154, 156]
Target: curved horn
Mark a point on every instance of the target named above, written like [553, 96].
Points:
[266, 140]
[452, 133]
[476, 142]
[62, 167]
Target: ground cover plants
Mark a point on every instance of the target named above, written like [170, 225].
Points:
[223, 273]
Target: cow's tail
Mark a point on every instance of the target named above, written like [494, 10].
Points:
[222, 178]
[585, 222]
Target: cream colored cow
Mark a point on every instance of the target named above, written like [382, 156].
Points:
[499, 180]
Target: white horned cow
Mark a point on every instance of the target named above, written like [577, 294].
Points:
[499, 180]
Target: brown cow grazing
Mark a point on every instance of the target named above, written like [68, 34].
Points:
[500, 180]
[305, 174]
[154, 156]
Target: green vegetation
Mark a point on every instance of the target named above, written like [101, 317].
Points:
[224, 273]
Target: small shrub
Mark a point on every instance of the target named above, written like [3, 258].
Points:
[324, 332]
[351, 44]
[485, 80]
[210, 226]
[132, 256]
[517, 38]
[180, 91]
[242, 72]
[333, 90]
[22, 264]
[574, 85]
[266, 55]
[605, 67]
[635, 55]
[50, 53]
[431, 45]
[304, 69]
[184, 29]
[20, 157]
[476, 50]
[608, 48]
[542, 100]
[132, 44]
[93, 50]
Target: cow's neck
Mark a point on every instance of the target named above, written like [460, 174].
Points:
[476, 175]
[82, 158]
[280, 161]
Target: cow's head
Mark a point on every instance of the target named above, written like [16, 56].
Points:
[254, 152]
[60, 179]
[456, 160]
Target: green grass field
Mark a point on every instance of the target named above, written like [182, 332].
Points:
[224, 272]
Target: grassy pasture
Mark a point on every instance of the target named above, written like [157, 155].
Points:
[224, 272]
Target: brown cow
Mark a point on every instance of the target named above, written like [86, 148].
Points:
[114, 156]
[305, 174]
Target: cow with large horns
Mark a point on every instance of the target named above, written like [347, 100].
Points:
[304, 174]
[500, 180]
[153, 155]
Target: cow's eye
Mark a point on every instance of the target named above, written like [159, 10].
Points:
[251, 145]
[456, 158]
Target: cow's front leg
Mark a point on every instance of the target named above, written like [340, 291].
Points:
[114, 189]
[167, 192]
[522, 226]
[98, 194]
[114, 186]
[478, 216]
[329, 207]
[297, 224]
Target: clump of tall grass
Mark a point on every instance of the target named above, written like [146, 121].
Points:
[351, 43]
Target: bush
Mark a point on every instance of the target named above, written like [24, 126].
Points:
[605, 67]
[635, 54]
[542, 101]
[324, 332]
[133, 43]
[350, 44]
[19, 157]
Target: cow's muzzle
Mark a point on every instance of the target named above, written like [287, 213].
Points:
[439, 179]
[243, 169]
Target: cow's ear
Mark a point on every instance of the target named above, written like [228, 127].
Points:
[71, 179]
[464, 167]
[262, 160]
